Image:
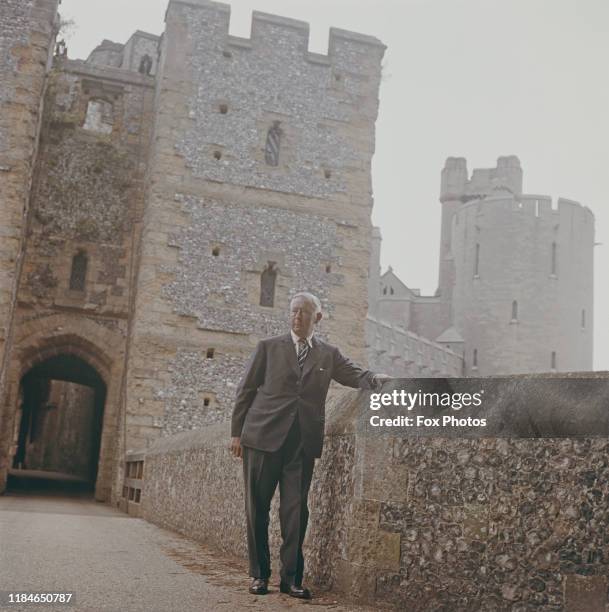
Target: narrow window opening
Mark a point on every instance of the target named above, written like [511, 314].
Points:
[477, 260]
[384, 290]
[227, 54]
[273, 142]
[328, 174]
[267, 285]
[514, 310]
[553, 258]
[553, 360]
[328, 269]
[584, 318]
[391, 290]
[223, 109]
[217, 155]
[78, 273]
[210, 353]
[475, 358]
[99, 117]
[206, 401]
[145, 65]
[215, 251]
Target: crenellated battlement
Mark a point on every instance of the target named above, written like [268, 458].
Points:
[270, 32]
[506, 176]
[267, 30]
[322, 106]
[530, 205]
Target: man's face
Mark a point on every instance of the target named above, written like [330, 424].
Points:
[303, 316]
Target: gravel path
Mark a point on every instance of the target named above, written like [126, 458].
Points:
[114, 562]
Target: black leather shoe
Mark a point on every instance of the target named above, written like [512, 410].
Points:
[260, 586]
[294, 591]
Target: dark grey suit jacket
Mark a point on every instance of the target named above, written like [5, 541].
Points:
[273, 392]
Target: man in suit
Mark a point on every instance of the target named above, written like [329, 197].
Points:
[278, 427]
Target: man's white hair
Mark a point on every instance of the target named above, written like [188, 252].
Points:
[310, 298]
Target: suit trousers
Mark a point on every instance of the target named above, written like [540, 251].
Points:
[292, 469]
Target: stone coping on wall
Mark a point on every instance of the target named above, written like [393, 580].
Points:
[422, 524]
[341, 417]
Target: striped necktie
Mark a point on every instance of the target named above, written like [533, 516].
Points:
[303, 350]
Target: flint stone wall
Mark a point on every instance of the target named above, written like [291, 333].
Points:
[193, 485]
[27, 32]
[217, 97]
[418, 523]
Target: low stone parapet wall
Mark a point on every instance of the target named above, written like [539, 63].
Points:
[194, 486]
[422, 523]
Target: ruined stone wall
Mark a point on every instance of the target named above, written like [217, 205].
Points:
[88, 190]
[217, 212]
[87, 201]
[420, 523]
[554, 300]
[27, 31]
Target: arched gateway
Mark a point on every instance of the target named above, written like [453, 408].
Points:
[59, 423]
[59, 411]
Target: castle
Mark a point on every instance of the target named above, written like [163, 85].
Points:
[515, 291]
[163, 199]
[161, 202]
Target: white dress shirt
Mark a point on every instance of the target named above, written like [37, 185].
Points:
[295, 340]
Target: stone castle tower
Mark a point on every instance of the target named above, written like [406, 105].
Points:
[522, 294]
[166, 197]
[515, 290]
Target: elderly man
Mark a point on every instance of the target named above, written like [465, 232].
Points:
[278, 427]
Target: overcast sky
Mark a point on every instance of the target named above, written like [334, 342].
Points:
[471, 78]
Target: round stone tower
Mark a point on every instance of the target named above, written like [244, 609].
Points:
[523, 290]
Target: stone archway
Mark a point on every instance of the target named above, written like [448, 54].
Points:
[98, 349]
[59, 423]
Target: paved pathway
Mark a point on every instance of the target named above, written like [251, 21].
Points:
[115, 562]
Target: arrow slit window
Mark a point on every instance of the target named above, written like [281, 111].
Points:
[267, 285]
[79, 271]
[273, 144]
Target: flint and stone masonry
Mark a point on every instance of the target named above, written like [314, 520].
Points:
[217, 213]
[27, 31]
[144, 192]
[163, 177]
[510, 524]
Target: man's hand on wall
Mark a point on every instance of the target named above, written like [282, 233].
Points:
[379, 380]
[235, 447]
